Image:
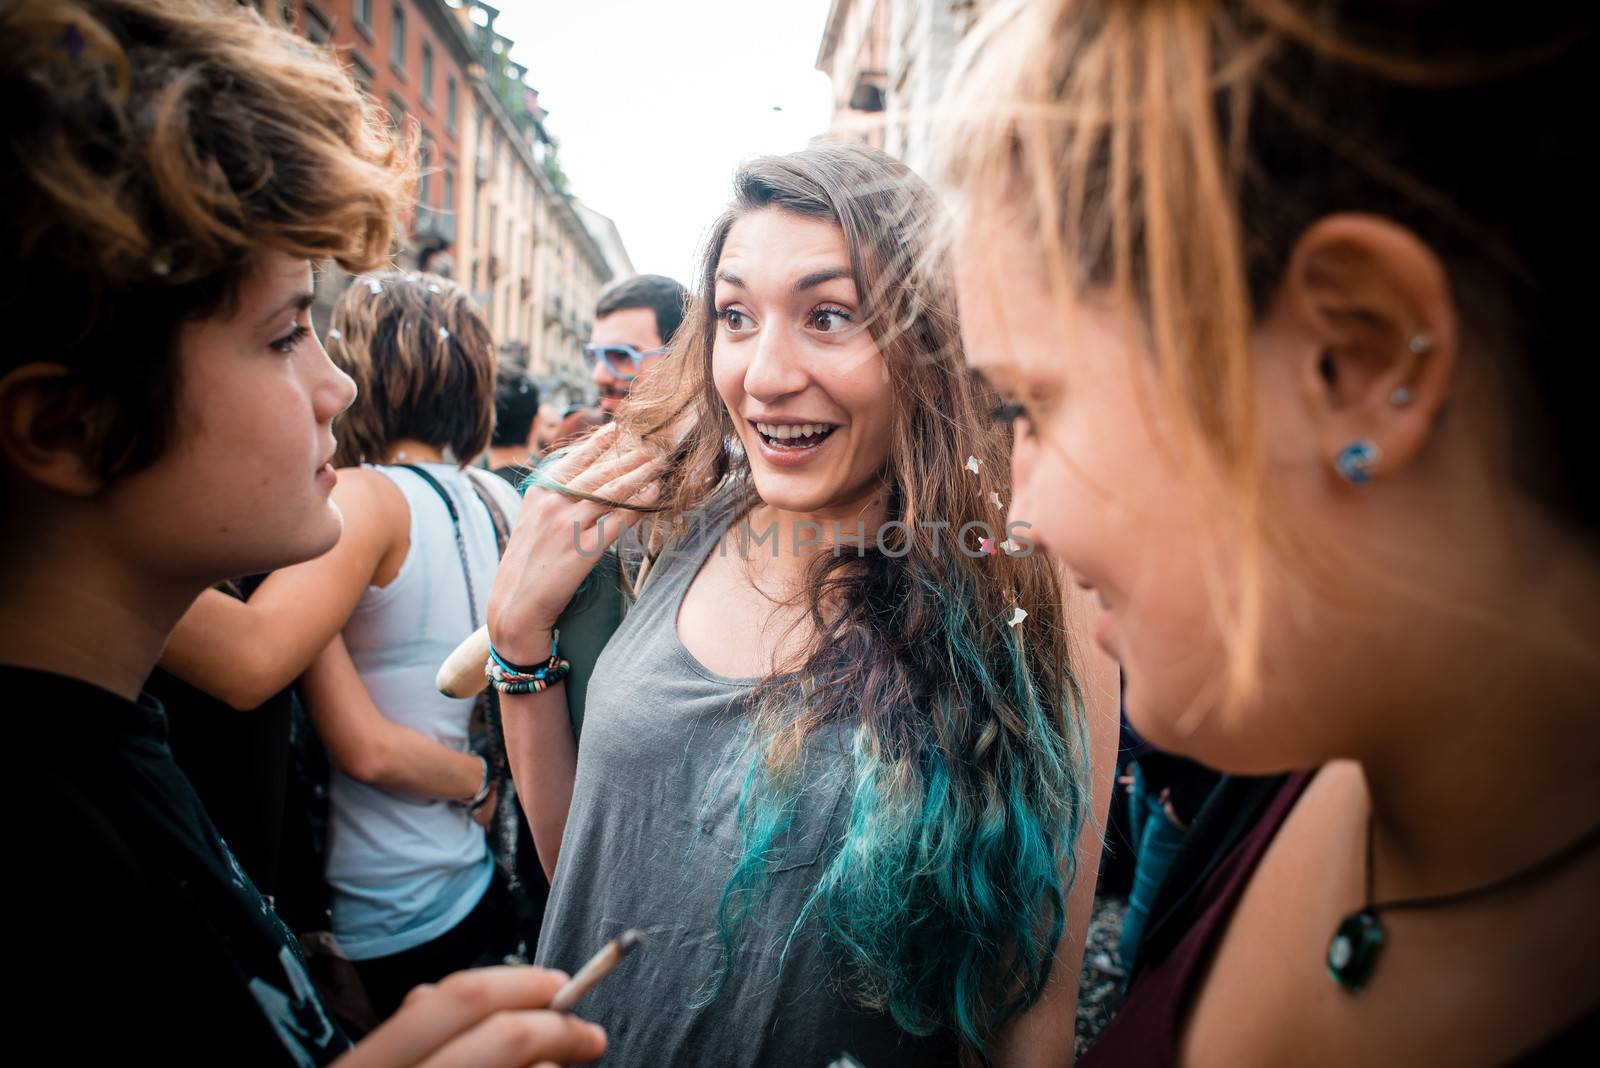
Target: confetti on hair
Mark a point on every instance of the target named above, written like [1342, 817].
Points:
[444, 335]
[161, 262]
[994, 499]
[433, 287]
[334, 335]
[1018, 614]
[986, 546]
[1011, 547]
[972, 464]
[374, 286]
[71, 41]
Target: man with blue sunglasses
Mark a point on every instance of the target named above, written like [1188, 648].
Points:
[634, 321]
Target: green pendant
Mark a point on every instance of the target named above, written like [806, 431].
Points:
[1353, 953]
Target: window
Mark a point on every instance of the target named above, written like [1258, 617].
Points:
[450, 102]
[317, 27]
[364, 14]
[425, 182]
[427, 73]
[361, 70]
[448, 201]
[397, 41]
[397, 113]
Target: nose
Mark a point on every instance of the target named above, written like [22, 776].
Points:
[775, 369]
[334, 391]
[601, 375]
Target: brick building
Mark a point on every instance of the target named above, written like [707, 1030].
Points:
[492, 209]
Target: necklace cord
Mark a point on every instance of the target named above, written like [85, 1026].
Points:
[1526, 875]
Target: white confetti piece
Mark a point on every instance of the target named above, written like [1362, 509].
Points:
[1018, 614]
[994, 499]
[334, 335]
[374, 286]
[161, 263]
[972, 464]
[1011, 547]
[433, 287]
[444, 335]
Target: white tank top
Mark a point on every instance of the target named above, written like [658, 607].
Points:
[405, 870]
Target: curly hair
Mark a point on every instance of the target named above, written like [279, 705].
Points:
[152, 149]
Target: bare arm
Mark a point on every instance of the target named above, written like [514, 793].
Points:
[539, 573]
[244, 652]
[1044, 1035]
[371, 748]
[544, 758]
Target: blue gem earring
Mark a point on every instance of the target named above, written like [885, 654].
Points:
[1356, 461]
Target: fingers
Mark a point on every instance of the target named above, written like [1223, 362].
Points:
[581, 455]
[435, 1014]
[599, 474]
[518, 1039]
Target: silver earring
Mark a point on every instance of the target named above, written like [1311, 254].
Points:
[1400, 397]
[1421, 344]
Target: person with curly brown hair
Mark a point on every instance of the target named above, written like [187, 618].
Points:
[171, 170]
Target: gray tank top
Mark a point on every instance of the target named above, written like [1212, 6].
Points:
[652, 837]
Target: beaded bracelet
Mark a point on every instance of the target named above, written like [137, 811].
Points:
[507, 677]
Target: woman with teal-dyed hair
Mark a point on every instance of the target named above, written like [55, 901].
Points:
[836, 760]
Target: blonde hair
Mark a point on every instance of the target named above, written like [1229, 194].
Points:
[1172, 151]
[423, 360]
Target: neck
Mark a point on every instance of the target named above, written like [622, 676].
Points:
[412, 451]
[506, 455]
[783, 541]
[1491, 764]
[74, 609]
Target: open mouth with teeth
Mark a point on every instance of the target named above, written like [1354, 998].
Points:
[799, 436]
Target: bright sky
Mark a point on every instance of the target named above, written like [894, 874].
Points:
[656, 103]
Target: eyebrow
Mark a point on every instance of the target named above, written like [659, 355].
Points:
[816, 278]
[298, 303]
[810, 281]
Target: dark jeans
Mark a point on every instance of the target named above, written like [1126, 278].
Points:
[482, 938]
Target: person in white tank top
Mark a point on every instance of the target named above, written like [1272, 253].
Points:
[365, 626]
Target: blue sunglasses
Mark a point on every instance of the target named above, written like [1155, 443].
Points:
[622, 361]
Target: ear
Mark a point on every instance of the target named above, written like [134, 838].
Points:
[47, 433]
[1373, 326]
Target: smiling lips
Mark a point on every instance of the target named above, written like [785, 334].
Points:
[794, 435]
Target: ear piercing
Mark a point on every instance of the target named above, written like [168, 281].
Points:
[1400, 397]
[1420, 344]
[1356, 461]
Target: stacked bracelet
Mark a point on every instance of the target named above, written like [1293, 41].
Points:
[513, 678]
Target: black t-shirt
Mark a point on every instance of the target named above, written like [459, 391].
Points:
[147, 936]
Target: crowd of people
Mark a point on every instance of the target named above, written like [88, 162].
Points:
[1218, 404]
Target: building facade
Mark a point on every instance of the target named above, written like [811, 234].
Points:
[492, 209]
[889, 61]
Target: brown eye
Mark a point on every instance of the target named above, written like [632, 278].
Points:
[829, 320]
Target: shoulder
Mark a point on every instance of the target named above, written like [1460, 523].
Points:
[368, 497]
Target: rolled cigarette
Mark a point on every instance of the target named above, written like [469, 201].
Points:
[598, 968]
[461, 674]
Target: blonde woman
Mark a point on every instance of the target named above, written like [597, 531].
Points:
[1290, 304]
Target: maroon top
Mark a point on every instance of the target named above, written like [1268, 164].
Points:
[1145, 1032]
